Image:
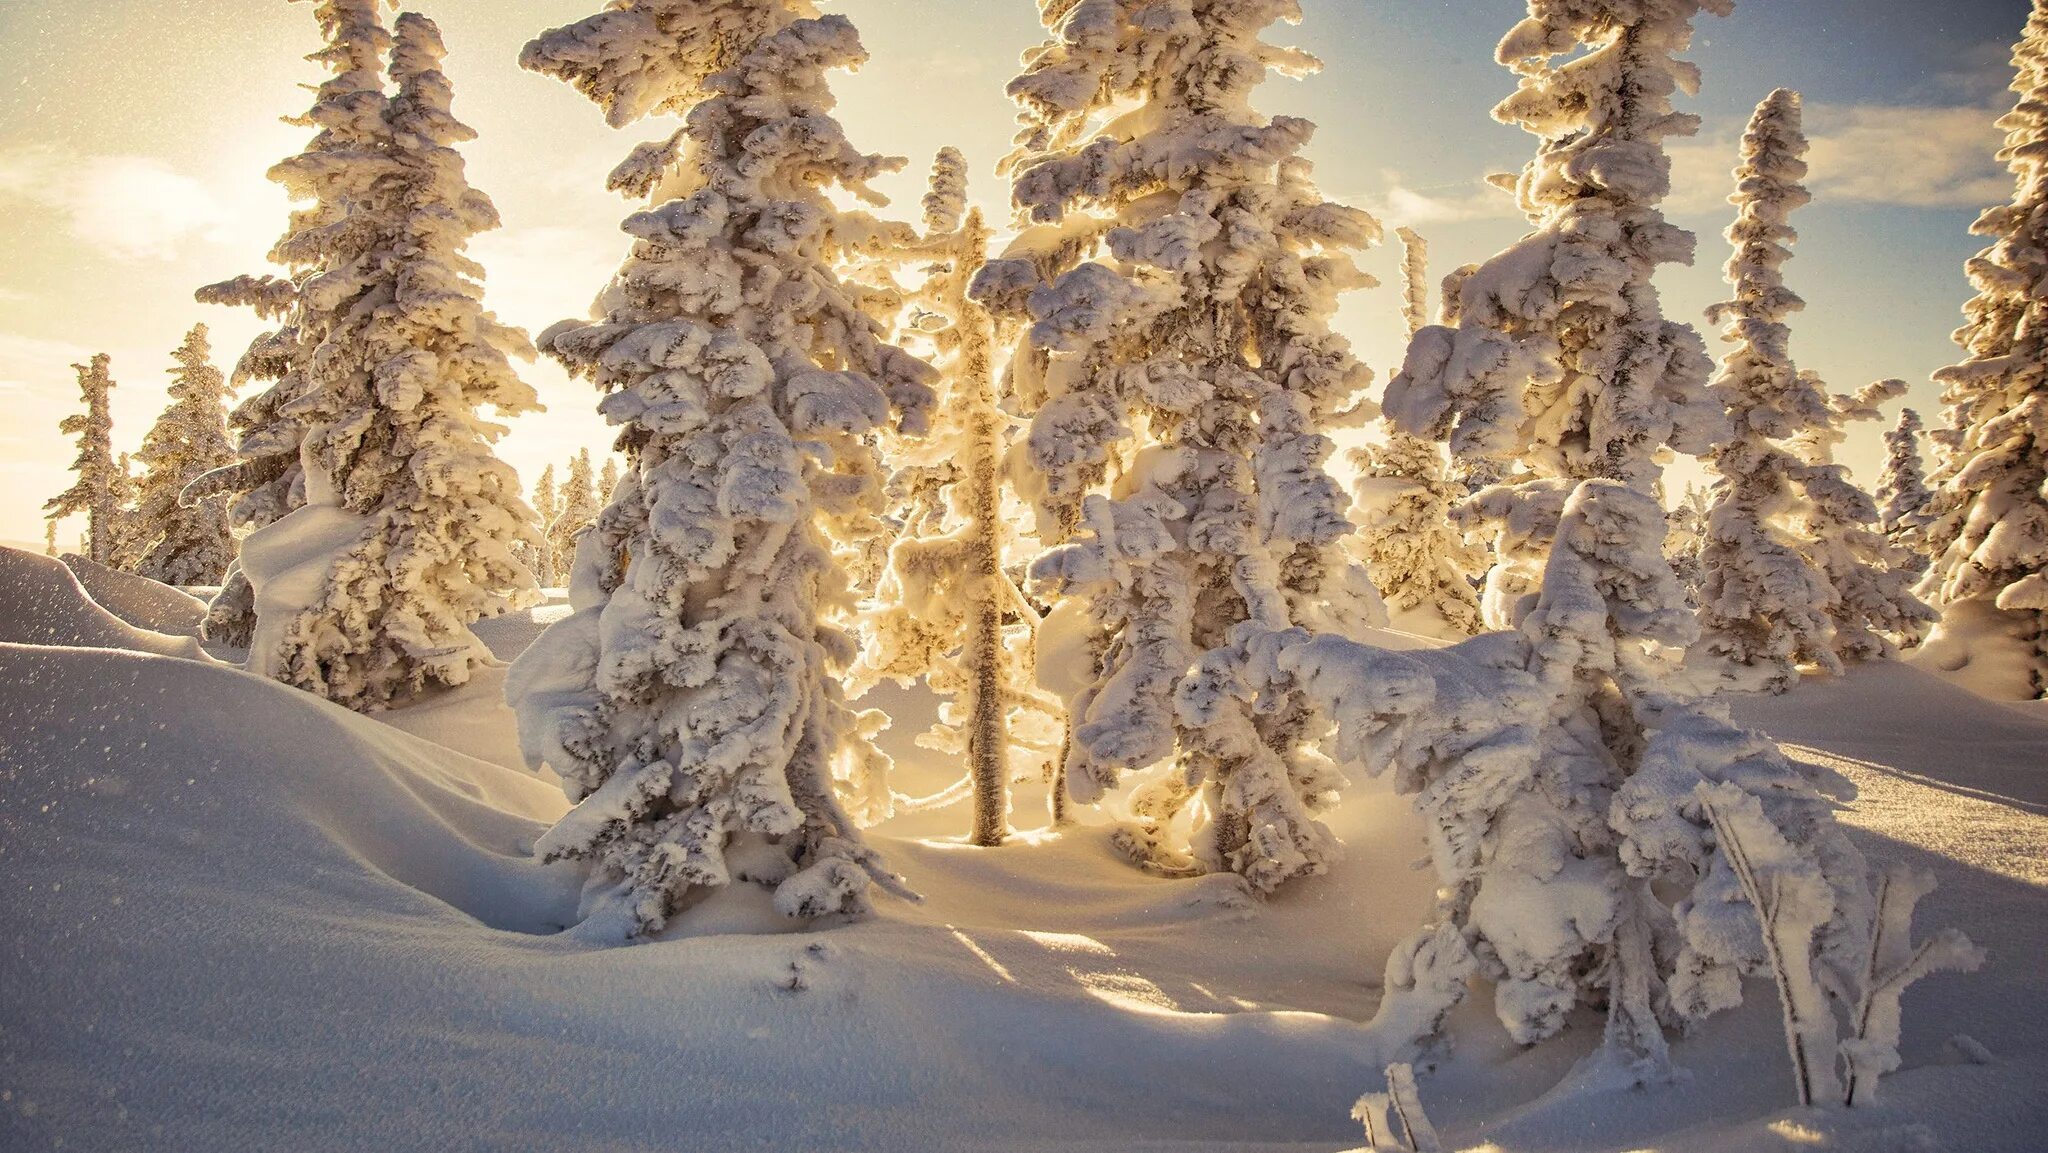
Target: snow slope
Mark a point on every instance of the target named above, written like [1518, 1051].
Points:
[238, 918]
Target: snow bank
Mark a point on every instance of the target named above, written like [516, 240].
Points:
[43, 603]
[140, 601]
[256, 921]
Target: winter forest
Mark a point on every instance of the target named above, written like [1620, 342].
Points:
[1011, 668]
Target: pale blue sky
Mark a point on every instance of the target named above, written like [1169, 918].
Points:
[134, 135]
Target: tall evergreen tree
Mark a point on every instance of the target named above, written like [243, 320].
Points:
[1555, 354]
[415, 519]
[1987, 530]
[96, 494]
[181, 543]
[323, 251]
[1183, 382]
[692, 702]
[607, 480]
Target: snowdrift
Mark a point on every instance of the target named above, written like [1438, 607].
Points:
[140, 601]
[256, 921]
[42, 602]
[240, 918]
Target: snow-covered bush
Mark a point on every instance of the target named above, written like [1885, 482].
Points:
[1987, 526]
[948, 610]
[97, 493]
[692, 701]
[393, 436]
[1394, 1120]
[1554, 354]
[180, 543]
[1178, 278]
[1557, 768]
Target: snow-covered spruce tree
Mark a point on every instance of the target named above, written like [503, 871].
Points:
[1792, 569]
[692, 702]
[607, 480]
[1182, 384]
[1873, 607]
[1902, 492]
[49, 538]
[576, 508]
[1987, 530]
[1554, 354]
[366, 593]
[1557, 768]
[186, 544]
[549, 567]
[948, 609]
[332, 181]
[1416, 554]
[1763, 599]
[96, 494]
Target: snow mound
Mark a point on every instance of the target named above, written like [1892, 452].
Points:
[256, 921]
[43, 603]
[141, 602]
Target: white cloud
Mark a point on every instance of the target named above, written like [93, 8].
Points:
[133, 207]
[1914, 156]
[1922, 157]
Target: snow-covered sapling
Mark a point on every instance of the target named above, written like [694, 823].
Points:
[1394, 1121]
[1895, 961]
[1902, 493]
[949, 611]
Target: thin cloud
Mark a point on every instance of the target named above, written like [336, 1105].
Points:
[131, 207]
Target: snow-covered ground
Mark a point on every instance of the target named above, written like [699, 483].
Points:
[233, 917]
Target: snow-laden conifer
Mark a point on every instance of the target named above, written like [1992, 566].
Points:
[549, 567]
[1557, 768]
[1987, 531]
[607, 480]
[1902, 493]
[366, 594]
[1554, 353]
[949, 611]
[1792, 570]
[1411, 545]
[1178, 275]
[186, 543]
[96, 493]
[576, 508]
[331, 182]
[692, 702]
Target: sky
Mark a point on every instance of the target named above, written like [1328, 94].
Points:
[134, 137]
